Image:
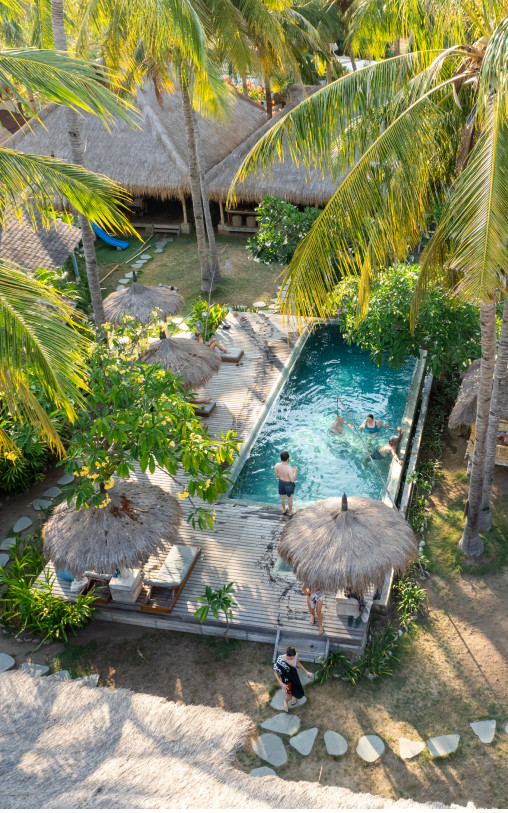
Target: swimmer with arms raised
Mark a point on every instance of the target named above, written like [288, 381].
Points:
[372, 426]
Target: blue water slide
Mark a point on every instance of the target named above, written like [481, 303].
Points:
[112, 241]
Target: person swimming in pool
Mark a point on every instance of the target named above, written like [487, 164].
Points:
[337, 427]
[372, 426]
[389, 448]
[287, 477]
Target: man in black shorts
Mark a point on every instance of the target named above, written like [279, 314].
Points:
[287, 476]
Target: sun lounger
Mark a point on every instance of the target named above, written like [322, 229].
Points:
[203, 410]
[233, 355]
[169, 582]
[100, 586]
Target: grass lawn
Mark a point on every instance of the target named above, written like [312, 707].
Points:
[178, 265]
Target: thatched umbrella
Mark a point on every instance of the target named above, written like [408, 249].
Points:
[193, 360]
[464, 410]
[347, 544]
[140, 301]
[140, 520]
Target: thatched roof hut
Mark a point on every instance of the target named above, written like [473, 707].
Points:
[37, 247]
[140, 301]
[349, 543]
[464, 410]
[67, 745]
[152, 160]
[139, 521]
[285, 179]
[193, 360]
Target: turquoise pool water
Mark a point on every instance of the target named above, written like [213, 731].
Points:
[299, 421]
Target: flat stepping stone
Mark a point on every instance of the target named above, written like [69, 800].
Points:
[8, 543]
[263, 771]
[259, 304]
[304, 679]
[124, 281]
[63, 674]
[52, 492]
[129, 274]
[410, 748]
[146, 257]
[65, 479]
[484, 729]
[442, 746]
[270, 748]
[370, 747]
[278, 700]
[304, 741]
[38, 505]
[22, 524]
[335, 743]
[34, 669]
[89, 680]
[158, 251]
[282, 724]
[120, 288]
[6, 662]
[4, 558]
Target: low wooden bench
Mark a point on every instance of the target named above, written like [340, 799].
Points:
[171, 578]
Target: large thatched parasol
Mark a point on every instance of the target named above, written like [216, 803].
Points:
[193, 360]
[351, 543]
[140, 520]
[140, 301]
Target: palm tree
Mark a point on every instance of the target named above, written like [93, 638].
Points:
[408, 122]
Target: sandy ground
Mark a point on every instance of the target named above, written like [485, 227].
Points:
[452, 672]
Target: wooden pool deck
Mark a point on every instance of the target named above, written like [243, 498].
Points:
[243, 544]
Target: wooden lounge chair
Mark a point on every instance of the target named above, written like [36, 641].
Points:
[203, 410]
[171, 579]
[233, 355]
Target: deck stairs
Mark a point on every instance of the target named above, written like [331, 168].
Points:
[313, 649]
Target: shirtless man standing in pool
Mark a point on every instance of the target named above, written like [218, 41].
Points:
[287, 476]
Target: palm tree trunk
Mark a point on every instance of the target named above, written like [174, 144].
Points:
[352, 58]
[215, 275]
[245, 86]
[493, 430]
[31, 101]
[470, 541]
[195, 188]
[269, 104]
[78, 158]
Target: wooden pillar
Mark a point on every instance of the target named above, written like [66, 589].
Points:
[184, 207]
[221, 212]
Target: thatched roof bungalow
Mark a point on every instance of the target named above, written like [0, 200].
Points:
[285, 180]
[151, 161]
[464, 410]
[38, 247]
[67, 745]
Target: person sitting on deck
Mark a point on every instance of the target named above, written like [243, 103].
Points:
[388, 448]
[338, 425]
[213, 344]
[371, 425]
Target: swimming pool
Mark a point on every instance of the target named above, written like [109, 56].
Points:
[300, 419]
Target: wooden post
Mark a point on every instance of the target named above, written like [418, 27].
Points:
[221, 212]
[184, 207]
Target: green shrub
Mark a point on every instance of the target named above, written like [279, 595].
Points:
[281, 227]
[377, 660]
[38, 610]
[216, 316]
[409, 597]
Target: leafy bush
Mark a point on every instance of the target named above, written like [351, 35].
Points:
[38, 610]
[281, 227]
[216, 601]
[216, 316]
[377, 660]
[409, 597]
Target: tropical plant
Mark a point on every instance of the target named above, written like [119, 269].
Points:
[281, 226]
[416, 129]
[217, 601]
[138, 413]
[409, 597]
[447, 328]
[338, 663]
[198, 317]
[18, 472]
[377, 661]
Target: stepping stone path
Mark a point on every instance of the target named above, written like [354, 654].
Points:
[278, 700]
[370, 747]
[6, 662]
[4, 558]
[304, 741]
[159, 251]
[146, 257]
[129, 274]
[22, 524]
[335, 743]
[34, 669]
[263, 771]
[282, 724]
[8, 543]
[124, 281]
[442, 746]
[89, 680]
[270, 748]
[39, 504]
[120, 288]
[259, 304]
[410, 748]
[62, 675]
[52, 492]
[485, 730]
[65, 480]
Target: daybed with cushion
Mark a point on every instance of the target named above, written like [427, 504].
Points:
[165, 588]
[203, 410]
